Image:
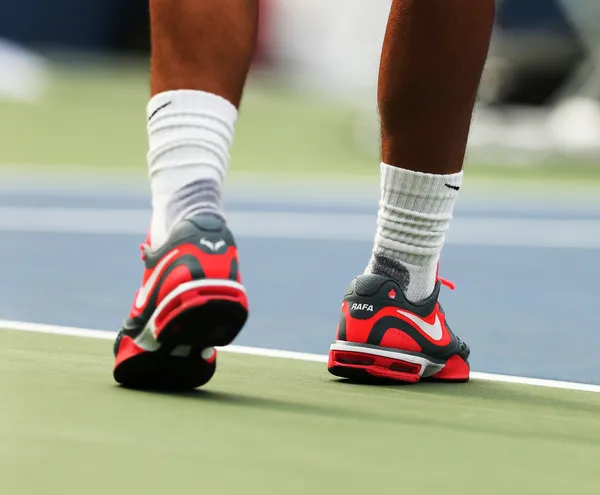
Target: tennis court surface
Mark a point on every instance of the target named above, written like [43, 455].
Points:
[274, 425]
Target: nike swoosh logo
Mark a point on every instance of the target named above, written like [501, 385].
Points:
[148, 287]
[434, 330]
[158, 110]
[456, 188]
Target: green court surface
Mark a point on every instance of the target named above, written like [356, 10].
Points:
[271, 425]
[92, 121]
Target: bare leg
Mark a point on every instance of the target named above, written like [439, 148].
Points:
[203, 45]
[201, 55]
[432, 60]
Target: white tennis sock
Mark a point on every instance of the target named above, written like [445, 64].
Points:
[414, 215]
[190, 134]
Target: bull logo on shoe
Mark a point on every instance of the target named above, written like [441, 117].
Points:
[213, 246]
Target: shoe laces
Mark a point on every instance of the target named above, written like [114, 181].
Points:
[443, 281]
[447, 283]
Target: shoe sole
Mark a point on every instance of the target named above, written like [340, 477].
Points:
[175, 351]
[374, 364]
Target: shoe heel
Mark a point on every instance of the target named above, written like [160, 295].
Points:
[369, 367]
[202, 315]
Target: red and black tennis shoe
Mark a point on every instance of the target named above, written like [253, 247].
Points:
[191, 301]
[382, 336]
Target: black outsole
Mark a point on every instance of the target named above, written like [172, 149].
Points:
[161, 371]
[214, 324]
[360, 376]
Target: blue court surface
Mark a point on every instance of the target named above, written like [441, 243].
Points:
[526, 271]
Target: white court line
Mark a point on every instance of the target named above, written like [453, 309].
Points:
[275, 353]
[504, 232]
